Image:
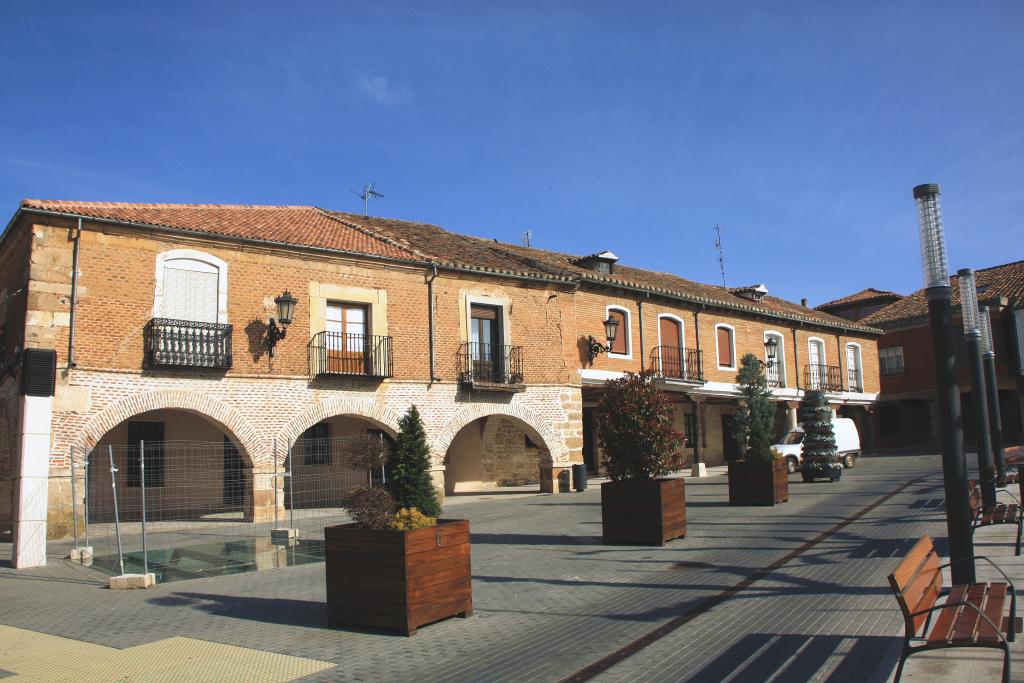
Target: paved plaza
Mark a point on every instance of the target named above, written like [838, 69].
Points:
[792, 593]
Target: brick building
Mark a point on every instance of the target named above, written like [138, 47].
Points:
[159, 316]
[907, 413]
[860, 305]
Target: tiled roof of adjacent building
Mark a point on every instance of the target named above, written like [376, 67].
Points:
[308, 226]
[862, 297]
[1006, 281]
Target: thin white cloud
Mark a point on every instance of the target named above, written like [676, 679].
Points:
[379, 90]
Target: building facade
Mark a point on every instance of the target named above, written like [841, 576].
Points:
[162, 318]
[907, 414]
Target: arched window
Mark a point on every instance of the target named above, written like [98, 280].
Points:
[190, 285]
[622, 346]
[854, 371]
[817, 366]
[725, 342]
[776, 373]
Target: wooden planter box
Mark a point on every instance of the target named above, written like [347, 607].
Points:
[398, 580]
[643, 512]
[758, 483]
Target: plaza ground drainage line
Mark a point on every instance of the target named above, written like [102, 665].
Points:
[600, 666]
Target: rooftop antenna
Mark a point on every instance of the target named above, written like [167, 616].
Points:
[528, 238]
[366, 195]
[721, 254]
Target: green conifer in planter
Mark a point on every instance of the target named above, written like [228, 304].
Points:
[408, 467]
[760, 478]
[818, 447]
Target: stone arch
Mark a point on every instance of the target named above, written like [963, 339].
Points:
[536, 428]
[372, 411]
[223, 415]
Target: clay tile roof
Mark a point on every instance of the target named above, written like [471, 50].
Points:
[298, 225]
[1006, 281]
[861, 297]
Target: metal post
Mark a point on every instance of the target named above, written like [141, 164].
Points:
[954, 466]
[975, 343]
[277, 523]
[291, 485]
[117, 521]
[74, 496]
[995, 419]
[142, 476]
[85, 504]
[986, 472]
[383, 468]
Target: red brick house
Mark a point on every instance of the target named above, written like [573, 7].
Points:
[907, 413]
[159, 318]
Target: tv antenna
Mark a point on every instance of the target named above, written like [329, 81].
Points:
[528, 238]
[366, 195]
[721, 254]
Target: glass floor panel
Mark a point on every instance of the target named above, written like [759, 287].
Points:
[215, 559]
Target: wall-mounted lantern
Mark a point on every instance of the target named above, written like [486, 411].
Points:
[285, 312]
[611, 331]
[770, 346]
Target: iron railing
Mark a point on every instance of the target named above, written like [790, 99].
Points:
[339, 353]
[491, 364]
[187, 343]
[674, 362]
[853, 380]
[823, 377]
[773, 373]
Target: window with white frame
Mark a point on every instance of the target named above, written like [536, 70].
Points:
[192, 286]
[854, 373]
[775, 373]
[622, 346]
[890, 360]
[725, 346]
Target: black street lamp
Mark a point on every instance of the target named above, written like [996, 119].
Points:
[995, 419]
[954, 466]
[594, 347]
[972, 334]
[285, 312]
[770, 346]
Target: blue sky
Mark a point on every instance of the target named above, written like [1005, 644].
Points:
[798, 127]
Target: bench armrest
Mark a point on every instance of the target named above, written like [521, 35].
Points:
[991, 563]
[961, 603]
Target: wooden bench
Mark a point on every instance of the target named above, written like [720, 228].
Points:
[1000, 513]
[971, 615]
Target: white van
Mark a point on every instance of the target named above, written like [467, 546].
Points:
[847, 444]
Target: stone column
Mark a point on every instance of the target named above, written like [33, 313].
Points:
[792, 418]
[31, 481]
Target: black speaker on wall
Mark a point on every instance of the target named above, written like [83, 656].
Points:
[38, 372]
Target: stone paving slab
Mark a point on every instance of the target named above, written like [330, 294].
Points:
[550, 599]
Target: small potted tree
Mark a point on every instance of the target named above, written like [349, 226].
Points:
[760, 478]
[818, 447]
[396, 566]
[640, 505]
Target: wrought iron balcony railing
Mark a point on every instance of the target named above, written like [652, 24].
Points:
[773, 373]
[674, 362]
[339, 353]
[187, 343]
[491, 364]
[853, 380]
[823, 378]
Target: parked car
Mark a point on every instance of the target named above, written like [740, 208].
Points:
[847, 444]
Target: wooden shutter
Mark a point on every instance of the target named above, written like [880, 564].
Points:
[190, 295]
[724, 346]
[670, 332]
[621, 344]
[483, 312]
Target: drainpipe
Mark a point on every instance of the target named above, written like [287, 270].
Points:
[796, 358]
[74, 296]
[640, 316]
[696, 332]
[430, 323]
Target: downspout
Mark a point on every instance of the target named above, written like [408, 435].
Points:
[640, 317]
[796, 358]
[430, 322]
[74, 296]
[696, 332]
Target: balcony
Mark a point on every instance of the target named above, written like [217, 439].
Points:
[823, 378]
[678, 363]
[853, 382]
[358, 355]
[187, 344]
[773, 374]
[491, 366]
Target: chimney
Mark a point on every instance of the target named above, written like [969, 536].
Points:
[803, 302]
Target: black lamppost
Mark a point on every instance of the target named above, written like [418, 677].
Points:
[972, 334]
[995, 419]
[285, 312]
[594, 347]
[954, 467]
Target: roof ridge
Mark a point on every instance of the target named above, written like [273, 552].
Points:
[30, 203]
[369, 232]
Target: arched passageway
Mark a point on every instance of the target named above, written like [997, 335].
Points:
[493, 451]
